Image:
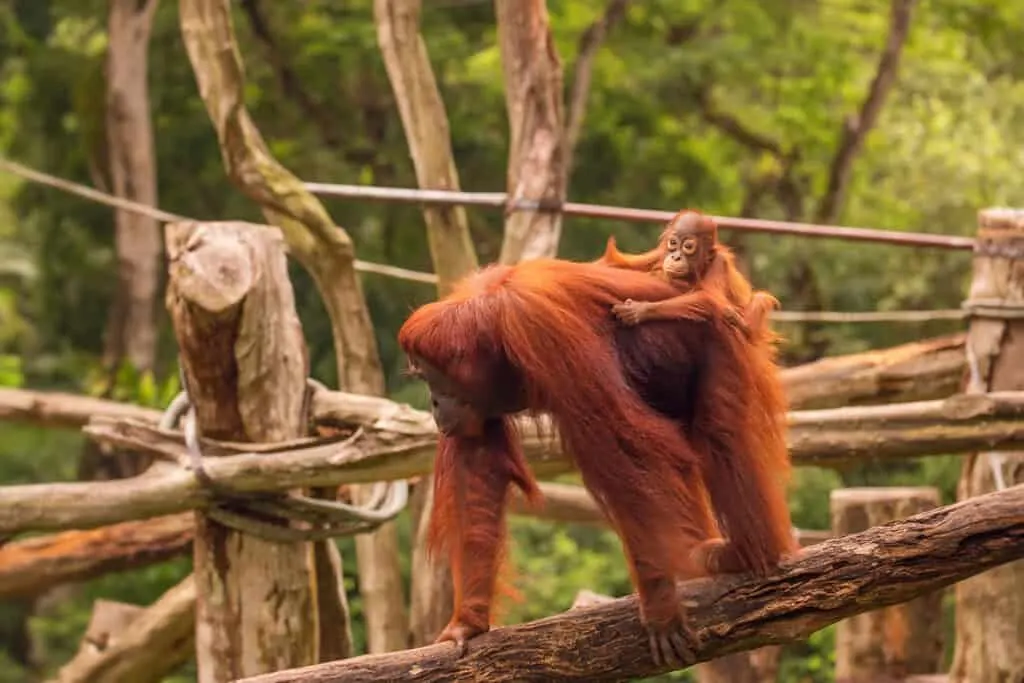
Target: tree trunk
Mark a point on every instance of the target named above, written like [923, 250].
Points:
[425, 122]
[905, 639]
[754, 666]
[322, 247]
[533, 98]
[131, 324]
[245, 363]
[990, 607]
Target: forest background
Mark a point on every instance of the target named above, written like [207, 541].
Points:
[735, 107]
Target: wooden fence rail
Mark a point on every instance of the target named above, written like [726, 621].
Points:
[395, 441]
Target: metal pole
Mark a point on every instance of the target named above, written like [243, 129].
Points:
[497, 200]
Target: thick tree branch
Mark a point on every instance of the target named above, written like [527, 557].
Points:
[144, 647]
[736, 129]
[320, 245]
[35, 565]
[856, 128]
[398, 442]
[54, 409]
[917, 371]
[425, 122]
[841, 577]
[780, 181]
[589, 45]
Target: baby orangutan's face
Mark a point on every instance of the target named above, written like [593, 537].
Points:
[687, 251]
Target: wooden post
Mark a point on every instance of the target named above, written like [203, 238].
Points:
[990, 606]
[752, 666]
[897, 641]
[245, 364]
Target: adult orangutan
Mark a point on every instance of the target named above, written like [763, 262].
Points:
[690, 256]
[664, 421]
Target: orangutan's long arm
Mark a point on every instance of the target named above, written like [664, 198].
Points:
[471, 480]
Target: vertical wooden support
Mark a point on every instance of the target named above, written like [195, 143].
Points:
[245, 364]
[990, 607]
[898, 641]
[756, 666]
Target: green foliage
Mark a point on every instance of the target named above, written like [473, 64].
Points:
[790, 72]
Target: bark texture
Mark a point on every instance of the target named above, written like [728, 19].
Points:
[917, 371]
[902, 640]
[245, 365]
[533, 98]
[322, 247]
[836, 579]
[131, 324]
[130, 644]
[425, 123]
[35, 565]
[990, 607]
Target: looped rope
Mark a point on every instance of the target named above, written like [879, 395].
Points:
[976, 384]
[998, 309]
[269, 515]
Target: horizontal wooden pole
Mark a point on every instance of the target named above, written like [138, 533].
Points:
[35, 565]
[398, 442]
[918, 371]
[924, 370]
[38, 564]
[882, 566]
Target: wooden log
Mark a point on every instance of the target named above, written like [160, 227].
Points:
[990, 607]
[131, 643]
[904, 639]
[245, 364]
[406, 449]
[836, 579]
[38, 564]
[918, 371]
[35, 565]
[751, 666]
[71, 411]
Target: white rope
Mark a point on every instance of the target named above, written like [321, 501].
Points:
[976, 385]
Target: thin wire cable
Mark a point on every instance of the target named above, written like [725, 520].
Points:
[165, 216]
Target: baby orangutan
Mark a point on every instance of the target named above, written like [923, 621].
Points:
[690, 257]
